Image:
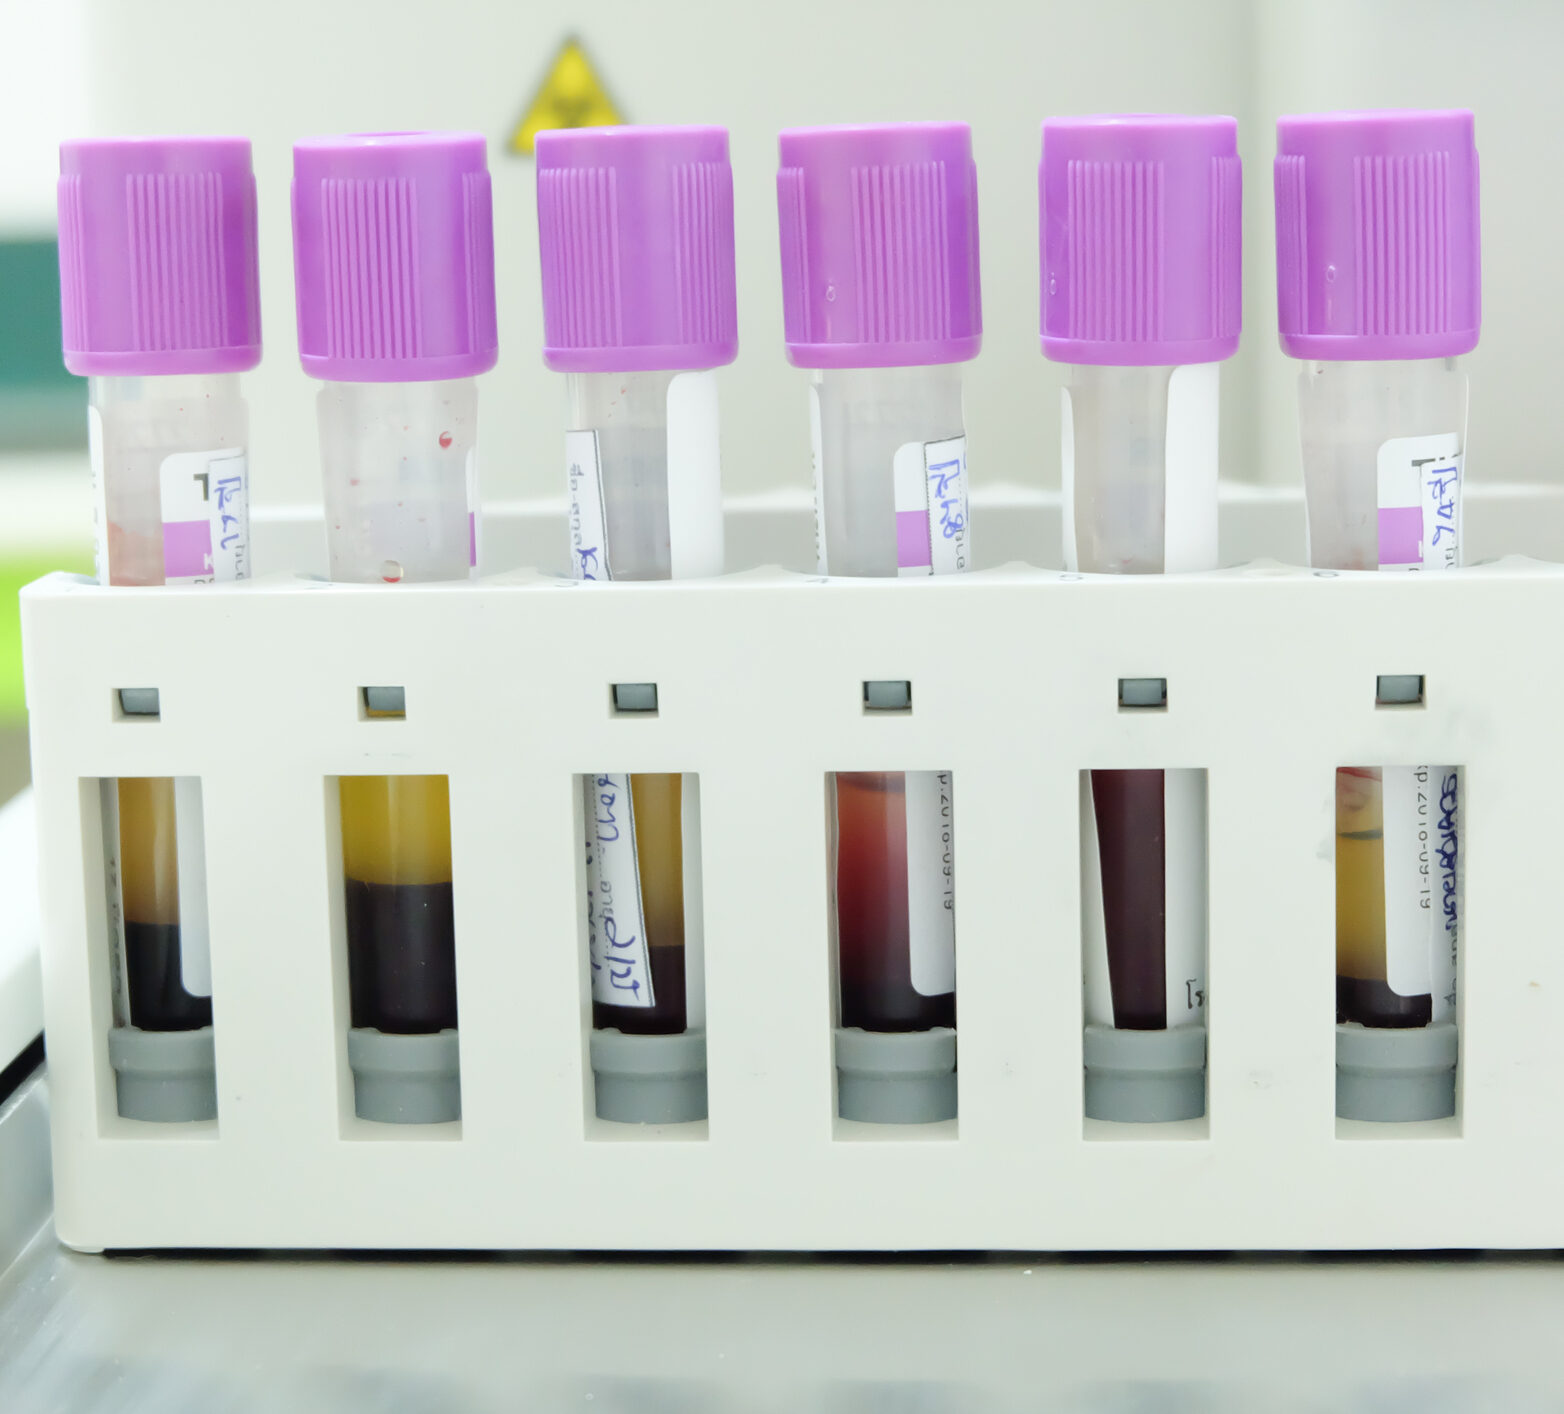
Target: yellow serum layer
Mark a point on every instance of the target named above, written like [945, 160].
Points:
[659, 853]
[148, 851]
[1360, 875]
[396, 829]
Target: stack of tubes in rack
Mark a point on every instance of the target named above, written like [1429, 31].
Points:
[1139, 245]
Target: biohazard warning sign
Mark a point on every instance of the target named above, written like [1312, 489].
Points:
[570, 96]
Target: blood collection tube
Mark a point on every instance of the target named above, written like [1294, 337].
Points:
[1141, 297]
[881, 302]
[635, 235]
[160, 309]
[394, 263]
[1379, 293]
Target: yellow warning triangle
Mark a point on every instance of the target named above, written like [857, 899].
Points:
[570, 96]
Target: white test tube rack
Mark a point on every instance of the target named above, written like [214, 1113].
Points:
[1270, 686]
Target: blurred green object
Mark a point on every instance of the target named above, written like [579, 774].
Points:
[15, 571]
[41, 405]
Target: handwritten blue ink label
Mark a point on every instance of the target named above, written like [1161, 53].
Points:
[1419, 527]
[616, 927]
[1419, 502]
[1447, 844]
[932, 516]
[588, 521]
[1422, 845]
[205, 499]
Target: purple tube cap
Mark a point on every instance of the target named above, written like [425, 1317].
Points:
[1141, 222]
[158, 267]
[635, 239]
[1378, 254]
[879, 233]
[393, 257]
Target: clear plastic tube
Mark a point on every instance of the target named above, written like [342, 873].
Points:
[156, 992]
[400, 468]
[144, 431]
[628, 455]
[396, 859]
[170, 466]
[878, 970]
[1346, 412]
[628, 412]
[1133, 511]
[1119, 421]
[873, 428]
[399, 464]
[863, 417]
[1383, 444]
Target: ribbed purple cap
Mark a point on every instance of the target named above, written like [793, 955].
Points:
[879, 230]
[635, 234]
[1142, 239]
[158, 256]
[393, 257]
[1377, 251]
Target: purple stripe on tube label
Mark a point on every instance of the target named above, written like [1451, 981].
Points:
[187, 549]
[912, 539]
[1401, 535]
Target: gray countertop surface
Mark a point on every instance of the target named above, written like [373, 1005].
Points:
[870, 1335]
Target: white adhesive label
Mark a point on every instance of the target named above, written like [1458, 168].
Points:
[1072, 554]
[206, 516]
[817, 458]
[1447, 886]
[931, 886]
[115, 897]
[616, 926]
[1421, 887]
[695, 538]
[588, 523]
[1189, 543]
[1190, 471]
[1409, 914]
[473, 506]
[1419, 530]
[100, 496]
[195, 939]
[930, 491]
[1190, 457]
[1184, 872]
[616, 930]
[1096, 980]
[694, 922]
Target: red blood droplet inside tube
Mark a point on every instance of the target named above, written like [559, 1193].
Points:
[445, 439]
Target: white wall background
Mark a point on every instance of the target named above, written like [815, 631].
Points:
[43, 97]
[294, 67]
[1504, 59]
